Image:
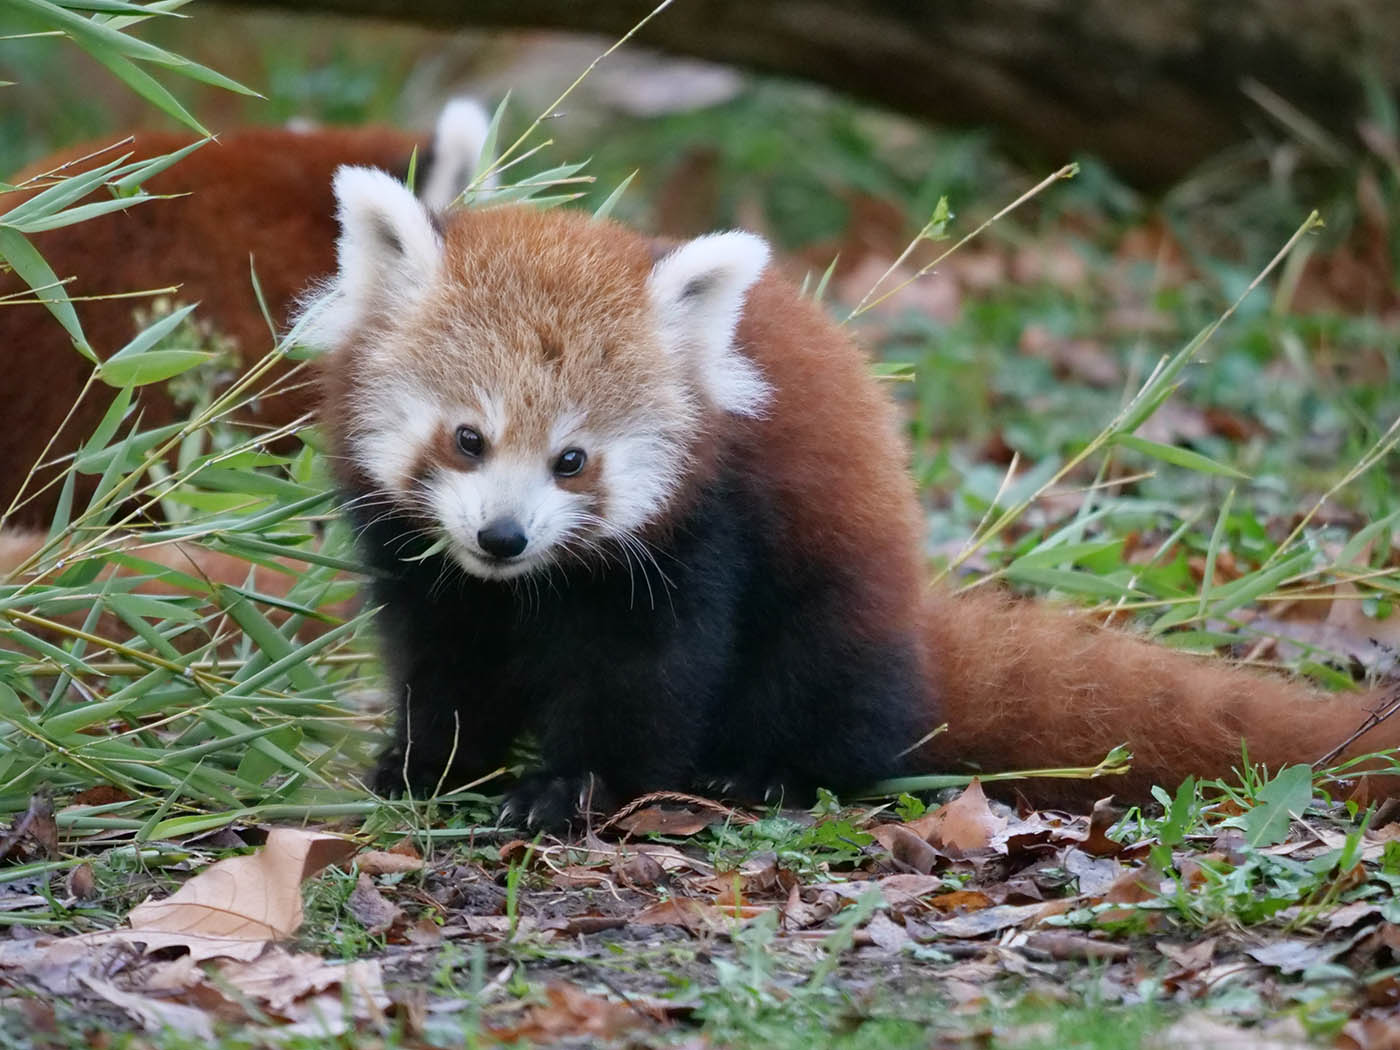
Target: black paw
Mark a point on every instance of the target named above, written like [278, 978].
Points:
[388, 778]
[393, 778]
[543, 802]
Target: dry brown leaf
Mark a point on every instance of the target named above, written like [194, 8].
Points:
[370, 907]
[82, 883]
[155, 1015]
[885, 933]
[572, 1012]
[1066, 944]
[99, 795]
[1295, 954]
[34, 835]
[967, 823]
[359, 997]
[961, 901]
[1351, 914]
[278, 978]
[1377, 1031]
[907, 847]
[1189, 957]
[799, 914]
[988, 920]
[382, 862]
[1094, 875]
[695, 916]
[666, 820]
[1200, 1032]
[1134, 887]
[1096, 840]
[641, 869]
[56, 964]
[234, 906]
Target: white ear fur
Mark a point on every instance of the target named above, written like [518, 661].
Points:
[698, 293]
[457, 141]
[388, 252]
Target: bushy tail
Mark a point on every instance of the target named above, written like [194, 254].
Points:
[1026, 685]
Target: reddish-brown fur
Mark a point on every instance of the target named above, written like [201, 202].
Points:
[1032, 686]
[264, 193]
[1020, 684]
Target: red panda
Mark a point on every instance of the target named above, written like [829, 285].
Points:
[256, 198]
[652, 506]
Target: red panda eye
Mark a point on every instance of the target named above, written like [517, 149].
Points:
[470, 441]
[570, 462]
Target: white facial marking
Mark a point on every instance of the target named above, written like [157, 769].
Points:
[640, 475]
[390, 432]
[698, 294]
[492, 413]
[505, 486]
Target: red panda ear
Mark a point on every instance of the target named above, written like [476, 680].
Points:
[389, 253]
[461, 132]
[698, 294]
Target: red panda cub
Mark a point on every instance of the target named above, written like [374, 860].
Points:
[257, 197]
[652, 507]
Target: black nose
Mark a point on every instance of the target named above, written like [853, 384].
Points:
[502, 538]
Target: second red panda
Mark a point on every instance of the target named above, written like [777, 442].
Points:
[258, 198]
[653, 507]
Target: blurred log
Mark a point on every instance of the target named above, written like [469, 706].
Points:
[1153, 87]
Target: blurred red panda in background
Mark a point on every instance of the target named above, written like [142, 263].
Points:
[255, 199]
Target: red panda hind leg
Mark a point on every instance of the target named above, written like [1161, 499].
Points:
[1024, 685]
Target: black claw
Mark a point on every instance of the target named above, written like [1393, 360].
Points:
[556, 804]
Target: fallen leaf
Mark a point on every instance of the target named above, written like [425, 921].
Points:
[278, 978]
[371, 909]
[1295, 956]
[981, 923]
[360, 996]
[34, 835]
[382, 862]
[1134, 887]
[885, 933]
[1378, 1031]
[1194, 956]
[1096, 841]
[81, 883]
[155, 1015]
[99, 795]
[57, 964]
[571, 1012]
[695, 916]
[1197, 1031]
[235, 906]
[641, 869]
[1065, 944]
[907, 848]
[664, 820]
[1094, 876]
[1351, 914]
[967, 823]
[961, 901]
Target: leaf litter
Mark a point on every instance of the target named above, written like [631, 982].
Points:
[1268, 901]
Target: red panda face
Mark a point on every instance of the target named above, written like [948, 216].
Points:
[528, 383]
